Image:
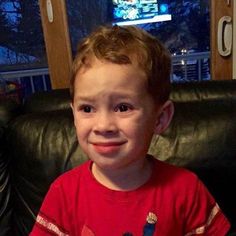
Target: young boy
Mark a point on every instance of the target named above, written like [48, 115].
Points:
[120, 98]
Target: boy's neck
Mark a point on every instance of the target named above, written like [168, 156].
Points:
[125, 179]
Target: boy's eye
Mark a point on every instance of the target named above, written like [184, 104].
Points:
[122, 108]
[86, 108]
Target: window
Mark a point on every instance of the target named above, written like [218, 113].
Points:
[186, 34]
[183, 26]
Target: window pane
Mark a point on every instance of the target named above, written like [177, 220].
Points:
[84, 16]
[21, 42]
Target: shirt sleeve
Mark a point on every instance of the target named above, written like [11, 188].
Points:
[203, 215]
[52, 219]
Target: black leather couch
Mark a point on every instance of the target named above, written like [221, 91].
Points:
[38, 143]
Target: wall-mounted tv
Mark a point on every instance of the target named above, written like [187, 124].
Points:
[131, 12]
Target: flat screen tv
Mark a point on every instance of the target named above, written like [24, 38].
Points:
[131, 12]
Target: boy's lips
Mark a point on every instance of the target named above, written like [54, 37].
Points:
[107, 147]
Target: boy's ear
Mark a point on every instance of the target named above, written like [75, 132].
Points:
[165, 116]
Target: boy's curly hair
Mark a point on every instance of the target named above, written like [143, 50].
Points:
[127, 45]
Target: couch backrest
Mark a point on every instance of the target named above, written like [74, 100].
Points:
[58, 99]
[204, 91]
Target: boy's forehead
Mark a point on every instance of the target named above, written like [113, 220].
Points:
[106, 76]
[124, 68]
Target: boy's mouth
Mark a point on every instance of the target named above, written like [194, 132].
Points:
[108, 147]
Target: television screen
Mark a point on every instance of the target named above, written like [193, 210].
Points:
[130, 12]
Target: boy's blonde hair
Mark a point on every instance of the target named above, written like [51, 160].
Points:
[127, 45]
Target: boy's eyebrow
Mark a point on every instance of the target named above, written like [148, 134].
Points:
[84, 98]
[115, 95]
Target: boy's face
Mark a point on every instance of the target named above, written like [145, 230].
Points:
[114, 115]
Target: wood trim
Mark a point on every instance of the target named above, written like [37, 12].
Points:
[221, 67]
[57, 41]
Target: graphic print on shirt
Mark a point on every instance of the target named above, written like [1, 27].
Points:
[148, 229]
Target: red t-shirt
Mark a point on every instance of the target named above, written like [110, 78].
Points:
[174, 202]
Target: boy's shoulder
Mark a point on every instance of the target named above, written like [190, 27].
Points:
[172, 174]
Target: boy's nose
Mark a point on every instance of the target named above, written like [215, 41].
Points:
[105, 123]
